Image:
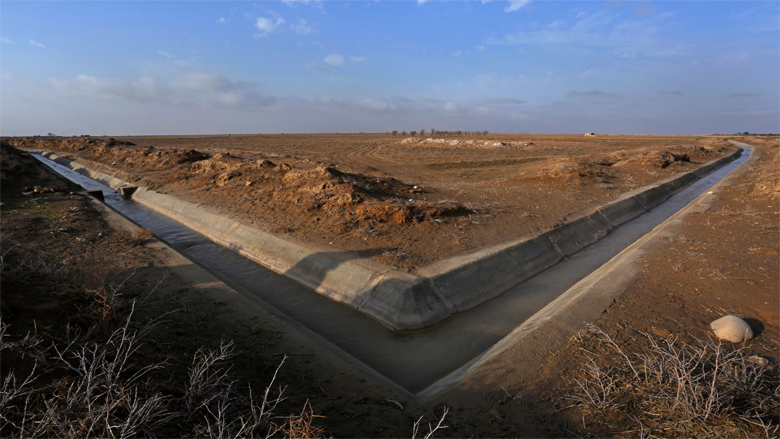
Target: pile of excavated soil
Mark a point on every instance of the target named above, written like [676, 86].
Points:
[402, 203]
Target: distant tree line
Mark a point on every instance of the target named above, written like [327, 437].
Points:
[440, 133]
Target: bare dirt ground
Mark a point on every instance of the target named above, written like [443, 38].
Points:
[405, 202]
[722, 261]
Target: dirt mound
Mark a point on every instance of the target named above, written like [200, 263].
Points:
[568, 169]
[11, 164]
[349, 196]
[431, 141]
[767, 183]
[19, 171]
[650, 159]
[345, 198]
[123, 154]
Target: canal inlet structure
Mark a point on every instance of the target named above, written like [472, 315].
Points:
[423, 363]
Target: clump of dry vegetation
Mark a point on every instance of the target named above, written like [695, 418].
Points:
[674, 389]
[90, 380]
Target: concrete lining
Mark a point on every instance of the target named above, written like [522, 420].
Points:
[622, 210]
[400, 300]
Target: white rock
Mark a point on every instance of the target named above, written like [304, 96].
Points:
[732, 328]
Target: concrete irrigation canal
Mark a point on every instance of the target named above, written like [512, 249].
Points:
[457, 317]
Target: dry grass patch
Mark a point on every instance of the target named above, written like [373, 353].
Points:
[674, 389]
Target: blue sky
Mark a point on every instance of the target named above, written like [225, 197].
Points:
[181, 67]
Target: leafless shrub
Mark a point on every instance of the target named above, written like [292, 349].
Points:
[719, 274]
[31, 345]
[431, 429]
[368, 230]
[398, 253]
[302, 426]
[100, 397]
[207, 381]
[703, 389]
[226, 412]
[596, 389]
[103, 399]
[11, 413]
[93, 381]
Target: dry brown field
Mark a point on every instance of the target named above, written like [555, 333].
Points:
[402, 201]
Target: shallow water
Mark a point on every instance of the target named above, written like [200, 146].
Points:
[414, 362]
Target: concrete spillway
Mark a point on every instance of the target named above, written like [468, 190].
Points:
[413, 361]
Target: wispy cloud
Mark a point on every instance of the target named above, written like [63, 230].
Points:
[357, 58]
[187, 87]
[294, 3]
[166, 54]
[335, 60]
[743, 94]
[591, 33]
[589, 72]
[302, 27]
[332, 62]
[268, 25]
[5, 40]
[499, 101]
[37, 44]
[591, 94]
[515, 5]
[673, 91]
[221, 20]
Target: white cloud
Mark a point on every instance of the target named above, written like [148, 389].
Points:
[457, 53]
[37, 44]
[375, 104]
[481, 48]
[515, 5]
[267, 25]
[166, 54]
[589, 72]
[335, 60]
[357, 58]
[294, 3]
[5, 40]
[187, 87]
[221, 20]
[302, 27]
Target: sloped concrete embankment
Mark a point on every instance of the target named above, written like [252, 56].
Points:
[400, 300]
